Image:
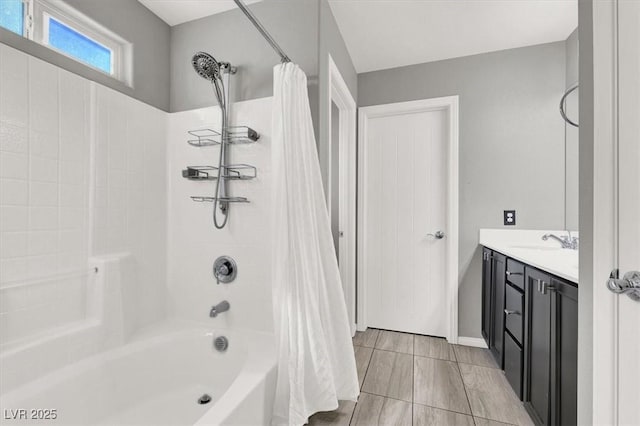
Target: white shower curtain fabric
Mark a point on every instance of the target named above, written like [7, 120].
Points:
[316, 365]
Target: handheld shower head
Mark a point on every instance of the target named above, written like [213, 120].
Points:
[211, 70]
[206, 66]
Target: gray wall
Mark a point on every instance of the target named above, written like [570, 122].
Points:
[135, 23]
[305, 29]
[230, 37]
[511, 143]
[571, 134]
[331, 43]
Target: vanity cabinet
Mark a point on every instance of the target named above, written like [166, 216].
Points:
[530, 324]
[537, 347]
[564, 353]
[550, 349]
[493, 286]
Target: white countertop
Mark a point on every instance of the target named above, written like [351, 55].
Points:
[526, 245]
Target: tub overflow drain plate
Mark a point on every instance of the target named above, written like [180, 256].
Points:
[221, 343]
[204, 399]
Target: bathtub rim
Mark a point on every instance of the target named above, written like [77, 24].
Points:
[260, 361]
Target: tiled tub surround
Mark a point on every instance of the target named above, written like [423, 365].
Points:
[528, 247]
[194, 243]
[418, 380]
[107, 324]
[44, 196]
[82, 175]
[127, 200]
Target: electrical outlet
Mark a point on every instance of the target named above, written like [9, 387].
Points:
[509, 217]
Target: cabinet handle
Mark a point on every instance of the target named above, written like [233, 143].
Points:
[544, 287]
[509, 312]
[509, 273]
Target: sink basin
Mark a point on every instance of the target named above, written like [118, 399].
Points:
[537, 247]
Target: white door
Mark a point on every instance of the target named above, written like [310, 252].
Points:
[405, 179]
[616, 317]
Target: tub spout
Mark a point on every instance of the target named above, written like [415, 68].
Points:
[219, 308]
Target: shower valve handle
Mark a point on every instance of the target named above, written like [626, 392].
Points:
[224, 269]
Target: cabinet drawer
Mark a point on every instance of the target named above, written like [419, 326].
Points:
[513, 360]
[514, 310]
[515, 273]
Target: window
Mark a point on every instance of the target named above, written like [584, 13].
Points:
[77, 45]
[12, 16]
[62, 28]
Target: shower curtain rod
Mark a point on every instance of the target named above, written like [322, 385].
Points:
[262, 30]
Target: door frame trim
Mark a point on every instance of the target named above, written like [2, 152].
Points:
[340, 94]
[449, 104]
[598, 328]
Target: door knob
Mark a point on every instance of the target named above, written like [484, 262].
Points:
[438, 235]
[629, 284]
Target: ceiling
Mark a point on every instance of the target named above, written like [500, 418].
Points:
[382, 34]
[175, 12]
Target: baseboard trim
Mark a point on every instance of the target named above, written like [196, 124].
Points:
[476, 342]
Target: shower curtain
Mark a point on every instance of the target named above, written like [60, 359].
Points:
[316, 365]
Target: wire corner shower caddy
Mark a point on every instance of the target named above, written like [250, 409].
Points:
[229, 135]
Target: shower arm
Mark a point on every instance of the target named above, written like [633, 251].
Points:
[283, 56]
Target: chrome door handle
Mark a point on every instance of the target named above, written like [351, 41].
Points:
[509, 312]
[438, 235]
[629, 284]
[509, 273]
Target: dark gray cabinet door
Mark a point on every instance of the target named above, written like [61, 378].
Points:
[564, 349]
[537, 345]
[498, 271]
[487, 254]
[513, 363]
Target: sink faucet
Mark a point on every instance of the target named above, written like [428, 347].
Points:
[567, 241]
[219, 308]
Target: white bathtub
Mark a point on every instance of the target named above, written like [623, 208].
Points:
[157, 380]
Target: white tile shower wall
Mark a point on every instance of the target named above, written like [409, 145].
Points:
[58, 194]
[106, 327]
[130, 196]
[44, 176]
[194, 243]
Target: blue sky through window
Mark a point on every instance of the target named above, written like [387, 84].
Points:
[11, 15]
[78, 46]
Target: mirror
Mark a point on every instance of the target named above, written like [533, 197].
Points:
[571, 134]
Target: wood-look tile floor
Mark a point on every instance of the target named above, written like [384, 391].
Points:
[413, 380]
